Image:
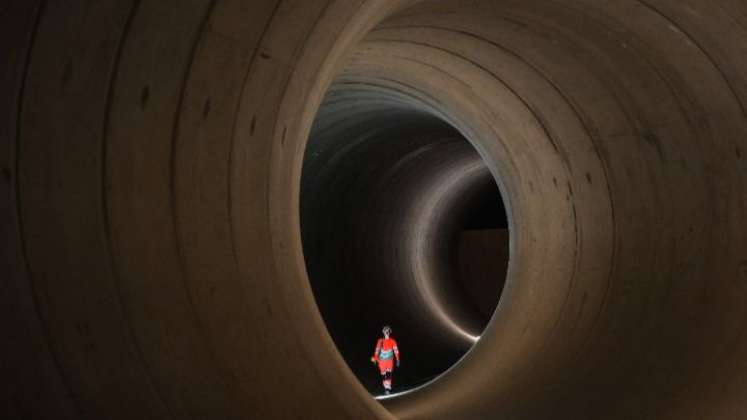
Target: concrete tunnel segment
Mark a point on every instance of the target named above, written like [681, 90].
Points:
[151, 167]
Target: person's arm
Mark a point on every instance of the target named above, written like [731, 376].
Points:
[396, 352]
[375, 357]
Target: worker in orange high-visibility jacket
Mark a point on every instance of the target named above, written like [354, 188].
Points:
[385, 354]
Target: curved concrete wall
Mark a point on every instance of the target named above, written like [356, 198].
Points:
[151, 162]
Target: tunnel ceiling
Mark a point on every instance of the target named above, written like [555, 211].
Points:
[153, 263]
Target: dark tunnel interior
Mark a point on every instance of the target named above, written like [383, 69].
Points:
[402, 224]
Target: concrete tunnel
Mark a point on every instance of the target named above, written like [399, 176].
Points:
[197, 197]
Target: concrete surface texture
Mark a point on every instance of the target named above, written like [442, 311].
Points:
[151, 164]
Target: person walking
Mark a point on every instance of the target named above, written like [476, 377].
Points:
[384, 356]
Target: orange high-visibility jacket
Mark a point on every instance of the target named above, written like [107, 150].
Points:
[386, 349]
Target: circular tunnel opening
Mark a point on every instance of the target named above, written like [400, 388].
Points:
[402, 224]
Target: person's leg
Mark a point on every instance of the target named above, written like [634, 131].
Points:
[383, 370]
[385, 367]
[388, 381]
